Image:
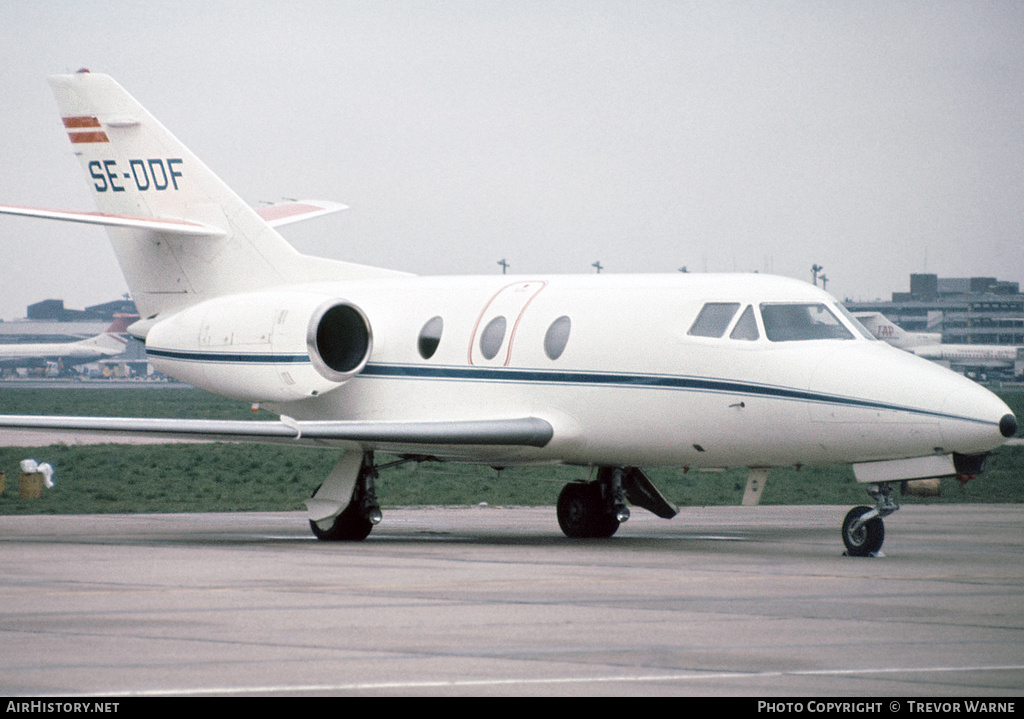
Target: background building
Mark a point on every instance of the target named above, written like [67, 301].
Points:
[974, 310]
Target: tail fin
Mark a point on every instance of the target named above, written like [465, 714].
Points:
[120, 324]
[180, 234]
[112, 341]
[885, 329]
[880, 326]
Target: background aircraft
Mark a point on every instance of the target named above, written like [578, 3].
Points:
[975, 359]
[110, 343]
[608, 372]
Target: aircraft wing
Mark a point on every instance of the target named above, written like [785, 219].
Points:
[523, 432]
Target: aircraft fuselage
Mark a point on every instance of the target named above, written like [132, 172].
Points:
[612, 363]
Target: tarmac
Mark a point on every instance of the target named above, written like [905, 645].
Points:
[723, 601]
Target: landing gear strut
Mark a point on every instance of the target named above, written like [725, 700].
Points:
[863, 530]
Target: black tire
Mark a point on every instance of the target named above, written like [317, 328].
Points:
[868, 539]
[581, 513]
[349, 526]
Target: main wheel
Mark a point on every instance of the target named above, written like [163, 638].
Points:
[349, 526]
[582, 514]
[868, 538]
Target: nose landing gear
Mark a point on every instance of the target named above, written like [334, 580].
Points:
[863, 530]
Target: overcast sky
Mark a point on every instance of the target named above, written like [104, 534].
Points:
[876, 139]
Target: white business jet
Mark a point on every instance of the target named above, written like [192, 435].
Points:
[611, 372]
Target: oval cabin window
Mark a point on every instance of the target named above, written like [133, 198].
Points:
[430, 337]
[557, 337]
[492, 337]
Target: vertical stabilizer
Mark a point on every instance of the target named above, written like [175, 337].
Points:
[888, 331]
[137, 169]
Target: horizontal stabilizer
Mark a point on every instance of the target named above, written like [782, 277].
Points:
[285, 213]
[156, 224]
[526, 432]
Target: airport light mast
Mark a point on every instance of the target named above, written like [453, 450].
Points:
[815, 269]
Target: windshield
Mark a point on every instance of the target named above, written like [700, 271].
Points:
[795, 322]
[864, 332]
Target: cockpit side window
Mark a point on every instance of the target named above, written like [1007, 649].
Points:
[796, 322]
[746, 327]
[861, 329]
[713, 319]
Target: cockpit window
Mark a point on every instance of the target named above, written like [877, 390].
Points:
[713, 319]
[746, 327]
[795, 322]
[864, 332]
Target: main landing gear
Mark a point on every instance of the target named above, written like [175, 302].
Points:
[593, 510]
[863, 530]
[344, 508]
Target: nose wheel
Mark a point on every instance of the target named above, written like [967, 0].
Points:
[863, 536]
[863, 529]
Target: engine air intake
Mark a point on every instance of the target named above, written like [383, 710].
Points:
[339, 340]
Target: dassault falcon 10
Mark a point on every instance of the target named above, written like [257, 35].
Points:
[610, 372]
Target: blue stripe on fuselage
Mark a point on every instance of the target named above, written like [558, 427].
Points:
[451, 373]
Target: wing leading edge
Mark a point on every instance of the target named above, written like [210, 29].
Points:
[522, 432]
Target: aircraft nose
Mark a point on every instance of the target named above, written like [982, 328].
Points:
[1008, 425]
[973, 416]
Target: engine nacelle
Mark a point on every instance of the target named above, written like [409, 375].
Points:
[264, 346]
